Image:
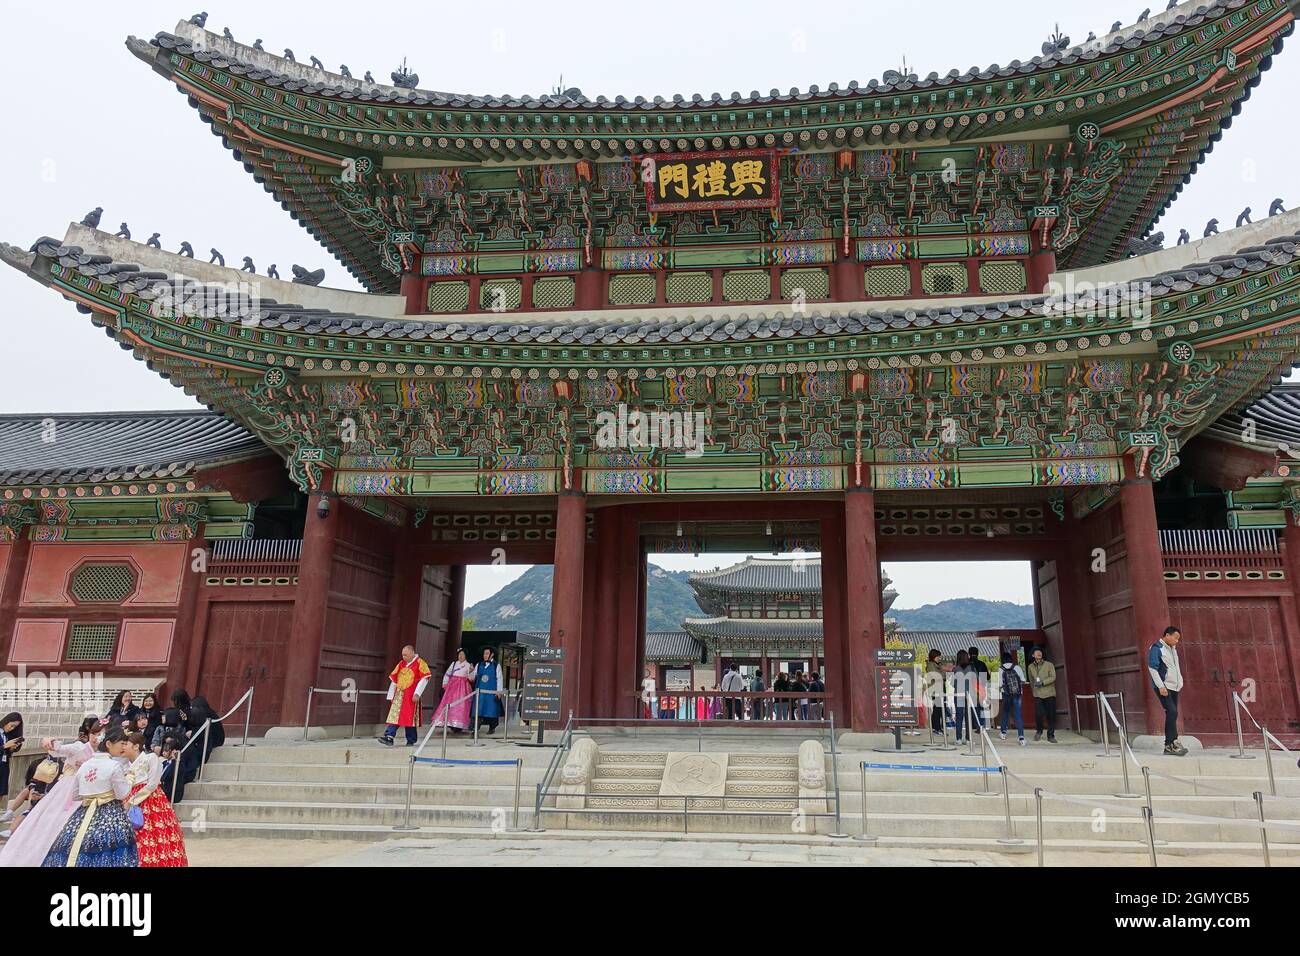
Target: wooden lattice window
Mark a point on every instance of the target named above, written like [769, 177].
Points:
[500, 295]
[944, 278]
[747, 285]
[1002, 277]
[91, 642]
[554, 292]
[816, 283]
[102, 583]
[631, 290]
[888, 282]
[689, 287]
[448, 296]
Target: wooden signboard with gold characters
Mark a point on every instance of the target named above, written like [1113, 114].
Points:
[728, 179]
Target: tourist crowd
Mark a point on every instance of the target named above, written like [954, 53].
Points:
[105, 798]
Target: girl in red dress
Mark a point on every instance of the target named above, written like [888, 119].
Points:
[160, 841]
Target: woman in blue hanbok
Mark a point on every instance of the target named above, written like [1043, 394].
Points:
[99, 833]
[487, 680]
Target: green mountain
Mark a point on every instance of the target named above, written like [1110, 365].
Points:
[525, 605]
[964, 614]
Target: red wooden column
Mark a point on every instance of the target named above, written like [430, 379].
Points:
[455, 609]
[187, 628]
[309, 607]
[1078, 636]
[864, 625]
[604, 661]
[1146, 578]
[566, 593]
[1291, 625]
[412, 288]
[11, 586]
[834, 596]
[627, 676]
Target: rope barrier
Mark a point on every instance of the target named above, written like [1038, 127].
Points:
[1164, 814]
[923, 766]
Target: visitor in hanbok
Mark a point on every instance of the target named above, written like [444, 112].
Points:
[457, 685]
[30, 843]
[99, 833]
[122, 710]
[159, 841]
[406, 686]
[487, 677]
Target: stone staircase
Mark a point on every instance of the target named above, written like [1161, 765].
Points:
[631, 780]
[357, 790]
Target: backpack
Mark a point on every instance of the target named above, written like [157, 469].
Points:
[1011, 683]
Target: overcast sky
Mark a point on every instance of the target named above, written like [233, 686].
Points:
[87, 124]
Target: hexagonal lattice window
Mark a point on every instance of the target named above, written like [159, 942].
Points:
[91, 642]
[103, 583]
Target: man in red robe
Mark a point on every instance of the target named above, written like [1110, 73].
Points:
[405, 686]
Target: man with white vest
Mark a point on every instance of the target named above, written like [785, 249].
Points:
[1167, 679]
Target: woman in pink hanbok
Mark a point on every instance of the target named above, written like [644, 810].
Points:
[40, 828]
[457, 682]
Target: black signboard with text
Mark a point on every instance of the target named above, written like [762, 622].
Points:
[895, 687]
[727, 179]
[543, 679]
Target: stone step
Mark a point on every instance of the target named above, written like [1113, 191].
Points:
[958, 804]
[212, 831]
[634, 758]
[611, 771]
[625, 786]
[762, 787]
[784, 760]
[762, 773]
[1094, 782]
[372, 774]
[1034, 759]
[347, 793]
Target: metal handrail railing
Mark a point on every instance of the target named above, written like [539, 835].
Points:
[1238, 705]
[557, 758]
[356, 702]
[203, 754]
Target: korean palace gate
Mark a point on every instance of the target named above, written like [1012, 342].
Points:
[917, 318]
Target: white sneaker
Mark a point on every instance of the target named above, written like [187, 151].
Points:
[6, 834]
[1022, 742]
[1002, 734]
[6, 816]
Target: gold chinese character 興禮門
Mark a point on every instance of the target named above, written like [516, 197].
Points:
[710, 179]
[747, 172]
[673, 175]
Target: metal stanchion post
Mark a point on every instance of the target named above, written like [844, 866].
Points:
[356, 702]
[410, 789]
[306, 721]
[1263, 833]
[519, 776]
[1101, 721]
[1006, 806]
[1038, 810]
[1268, 762]
[1151, 807]
[248, 718]
[203, 754]
[1151, 834]
[445, 724]
[984, 763]
[943, 724]
[537, 813]
[864, 836]
[1241, 743]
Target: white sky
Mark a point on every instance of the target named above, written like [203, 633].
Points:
[87, 124]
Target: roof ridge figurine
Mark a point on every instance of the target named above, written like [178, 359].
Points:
[91, 218]
[302, 277]
[123, 232]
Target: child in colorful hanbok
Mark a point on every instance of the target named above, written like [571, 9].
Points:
[30, 843]
[99, 832]
[457, 683]
[159, 841]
